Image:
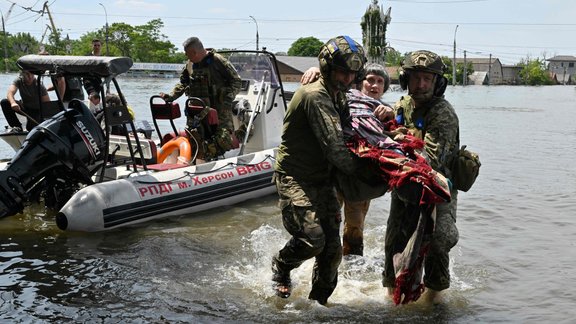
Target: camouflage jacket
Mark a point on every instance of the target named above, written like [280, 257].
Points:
[223, 82]
[437, 124]
[312, 140]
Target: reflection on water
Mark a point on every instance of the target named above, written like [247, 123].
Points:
[514, 261]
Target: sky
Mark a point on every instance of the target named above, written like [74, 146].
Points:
[510, 30]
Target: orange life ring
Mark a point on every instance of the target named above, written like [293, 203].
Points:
[179, 143]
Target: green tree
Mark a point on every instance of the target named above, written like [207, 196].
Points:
[459, 70]
[19, 45]
[534, 72]
[393, 57]
[143, 43]
[305, 46]
[149, 45]
[83, 46]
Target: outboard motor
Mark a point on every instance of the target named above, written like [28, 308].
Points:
[69, 147]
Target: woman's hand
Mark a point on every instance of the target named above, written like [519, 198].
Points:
[311, 75]
[384, 113]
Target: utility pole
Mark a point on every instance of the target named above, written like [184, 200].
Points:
[257, 47]
[106, 14]
[5, 36]
[454, 59]
[5, 43]
[489, 68]
[55, 33]
[465, 75]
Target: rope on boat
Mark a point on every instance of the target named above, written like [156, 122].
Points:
[191, 174]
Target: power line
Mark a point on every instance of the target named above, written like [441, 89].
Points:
[435, 1]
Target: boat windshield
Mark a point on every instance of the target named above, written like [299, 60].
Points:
[254, 66]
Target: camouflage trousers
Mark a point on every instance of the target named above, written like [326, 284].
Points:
[212, 142]
[401, 223]
[311, 214]
[225, 118]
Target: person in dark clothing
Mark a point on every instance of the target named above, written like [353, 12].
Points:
[26, 84]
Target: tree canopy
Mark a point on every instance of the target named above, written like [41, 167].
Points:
[534, 72]
[146, 43]
[459, 70]
[305, 46]
[143, 43]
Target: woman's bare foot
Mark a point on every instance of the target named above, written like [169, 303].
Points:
[390, 293]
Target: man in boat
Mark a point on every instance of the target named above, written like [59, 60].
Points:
[312, 146]
[72, 89]
[26, 84]
[93, 84]
[212, 78]
[69, 87]
[425, 114]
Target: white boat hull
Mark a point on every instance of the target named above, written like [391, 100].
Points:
[57, 160]
[142, 198]
[15, 140]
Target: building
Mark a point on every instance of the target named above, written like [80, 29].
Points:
[155, 70]
[562, 68]
[393, 72]
[292, 68]
[511, 74]
[492, 66]
[478, 78]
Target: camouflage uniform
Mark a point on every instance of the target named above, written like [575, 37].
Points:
[312, 145]
[437, 124]
[213, 80]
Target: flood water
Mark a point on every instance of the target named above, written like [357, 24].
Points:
[514, 262]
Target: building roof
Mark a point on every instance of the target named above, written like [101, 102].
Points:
[478, 78]
[393, 71]
[562, 58]
[299, 63]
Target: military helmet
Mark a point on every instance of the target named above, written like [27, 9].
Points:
[424, 61]
[341, 52]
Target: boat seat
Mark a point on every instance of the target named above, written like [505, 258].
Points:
[207, 119]
[164, 110]
[119, 149]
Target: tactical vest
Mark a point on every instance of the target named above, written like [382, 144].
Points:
[414, 119]
[201, 80]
